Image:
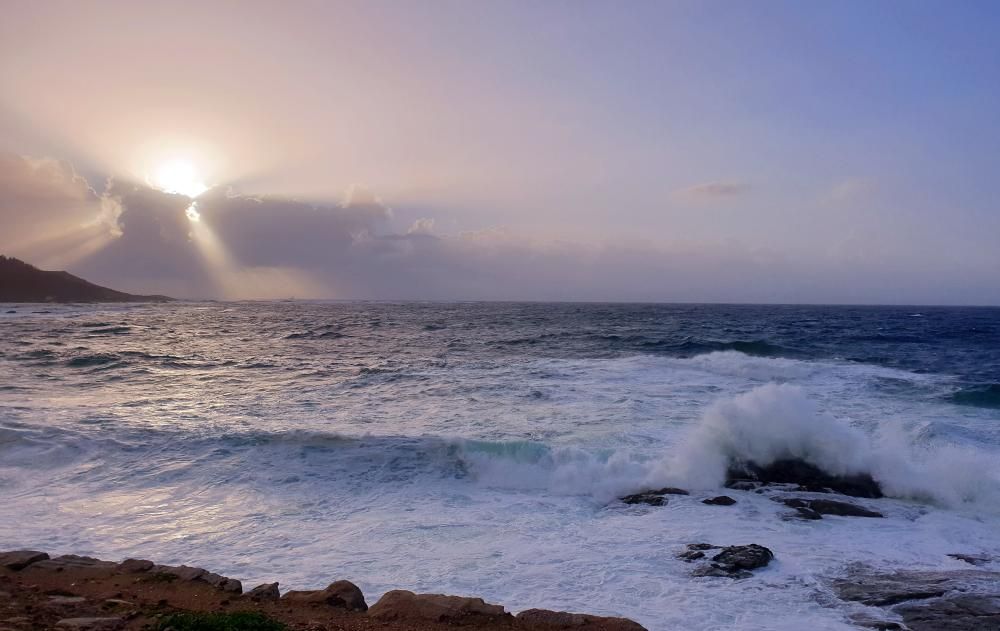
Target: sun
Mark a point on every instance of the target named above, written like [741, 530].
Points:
[181, 177]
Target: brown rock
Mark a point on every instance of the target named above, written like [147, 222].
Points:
[20, 559]
[135, 566]
[72, 561]
[90, 623]
[564, 620]
[267, 591]
[405, 605]
[344, 594]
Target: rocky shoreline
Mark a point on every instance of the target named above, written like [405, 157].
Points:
[71, 592]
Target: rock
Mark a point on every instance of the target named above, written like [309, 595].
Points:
[830, 507]
[696, 551]
[803, 512]
[343, 594]
[118, 602]
[66, 600]
[135, 566]
[187, 573]
[972, 560]
[715, 570]
[962, 612]
[867, 622]
[722, 500]
[90, 623]
[703, 546]
[19, 559]
[563, 620]
[731, 562]
[808, 476]
[749, 557]
[73, 561]
[653, 497]
[226, 584]
[880, 589]
[404, 605]
[267, 591]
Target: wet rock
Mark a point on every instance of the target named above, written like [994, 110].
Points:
[715, 570]
[135, 566]
[749, 557]
[884, 589]
[803, 512]
[722, 500]
[405, 605]
[342, 594]
[962, 612]
[91, 623]
[20, 559]
[867, 622]
[971, 560]
[653, 497]
[267, 591]
[731, 562]
[696, 551]
[830, 507]
[808, 476]
[564, 620]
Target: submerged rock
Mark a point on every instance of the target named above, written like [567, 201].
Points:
[722, 500]
[565, 620]
[400, 604]
[653, 497]
[808, 476]
[807, 507]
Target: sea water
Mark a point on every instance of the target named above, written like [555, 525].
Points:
[479, 448]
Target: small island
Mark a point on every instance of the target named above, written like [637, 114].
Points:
[23, 282]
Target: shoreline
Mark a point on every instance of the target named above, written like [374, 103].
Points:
[77, 592]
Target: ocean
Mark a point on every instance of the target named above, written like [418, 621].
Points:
[479, 448]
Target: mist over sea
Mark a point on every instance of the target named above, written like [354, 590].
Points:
[479, 448]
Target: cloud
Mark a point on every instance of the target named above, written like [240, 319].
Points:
[139, 239]
[422, 226]
[51, 212]
[715, 190]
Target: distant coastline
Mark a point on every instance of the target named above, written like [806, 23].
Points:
[23, 282]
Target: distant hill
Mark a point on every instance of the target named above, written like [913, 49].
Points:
[21, 282]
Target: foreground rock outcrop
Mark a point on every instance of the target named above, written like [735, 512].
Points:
[78, 592]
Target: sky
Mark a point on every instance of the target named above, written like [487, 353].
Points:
[679, 151]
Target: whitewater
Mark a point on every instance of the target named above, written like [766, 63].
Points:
[480, 448]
